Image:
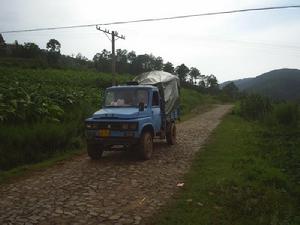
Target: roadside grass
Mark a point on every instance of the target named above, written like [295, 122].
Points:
[20, 171]
[231, 182]
[193, 103]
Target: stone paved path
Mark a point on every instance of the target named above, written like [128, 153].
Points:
[118, 189]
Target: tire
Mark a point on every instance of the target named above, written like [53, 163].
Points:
[146, 145]
[171, 134]
[94, 151]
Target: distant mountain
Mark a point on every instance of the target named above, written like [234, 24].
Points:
[277, 84]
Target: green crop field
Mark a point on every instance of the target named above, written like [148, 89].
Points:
[42, 111]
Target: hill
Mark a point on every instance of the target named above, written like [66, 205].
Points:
[282, 84]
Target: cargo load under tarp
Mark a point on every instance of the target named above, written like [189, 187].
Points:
[167, 84]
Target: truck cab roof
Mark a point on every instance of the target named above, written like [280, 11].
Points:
[133, 86]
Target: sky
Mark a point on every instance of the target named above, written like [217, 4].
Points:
[229, 46]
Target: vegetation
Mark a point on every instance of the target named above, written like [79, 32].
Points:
[248, 173]
[45, 96]
[42, 111]
[254, 107]
[192, 102]
[30, 55]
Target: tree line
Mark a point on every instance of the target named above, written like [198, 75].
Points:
[127, 62]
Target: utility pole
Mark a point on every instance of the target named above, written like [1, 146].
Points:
[113, 34]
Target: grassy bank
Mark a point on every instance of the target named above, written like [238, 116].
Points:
[193, 103]
[244, 175]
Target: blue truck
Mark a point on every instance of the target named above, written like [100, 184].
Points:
[135, 114]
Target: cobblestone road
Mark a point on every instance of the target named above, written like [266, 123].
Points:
[118, 189]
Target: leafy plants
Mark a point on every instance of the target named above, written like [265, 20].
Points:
[42, 111]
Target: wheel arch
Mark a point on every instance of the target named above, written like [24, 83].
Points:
[148, 127]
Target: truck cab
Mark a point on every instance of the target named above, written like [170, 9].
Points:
[131, 117]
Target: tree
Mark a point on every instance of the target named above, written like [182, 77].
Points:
[231, 90]
[194, 74]
[31, 50]
[158, 63]
[53, 46]
[201, 84]
[212, 83]
[168, 67]
[121, 55]
[53, 55]
[2, 46]
[79, 56]
[141, 63]
[182, 72]
[131, 56]
[2, 42]
[122, 61]
[103, 61]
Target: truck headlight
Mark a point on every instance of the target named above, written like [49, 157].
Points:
[91, 126]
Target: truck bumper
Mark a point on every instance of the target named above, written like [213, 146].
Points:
[115, 138]
[106, 142]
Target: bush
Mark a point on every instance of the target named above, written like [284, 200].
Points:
[255, 107]
[287, 114]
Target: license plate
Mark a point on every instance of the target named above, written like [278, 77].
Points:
[104, 133]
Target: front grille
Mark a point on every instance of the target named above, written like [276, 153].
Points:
[110, 125]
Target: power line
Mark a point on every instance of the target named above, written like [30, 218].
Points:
[153, 19]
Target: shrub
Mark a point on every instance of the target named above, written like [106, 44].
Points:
[287, 114]
[255, 107]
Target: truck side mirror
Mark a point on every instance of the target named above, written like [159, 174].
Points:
[141, 106]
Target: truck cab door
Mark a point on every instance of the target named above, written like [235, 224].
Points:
[156, 112]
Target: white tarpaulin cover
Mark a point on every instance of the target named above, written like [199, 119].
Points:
[166, 82]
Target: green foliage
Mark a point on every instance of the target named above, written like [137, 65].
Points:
[126, 63]
[194, 74]
[42, 111]
[182, 72]
[32, 143]
[231, 90]
[287, 114]
[53, 45]
[244, 175]
[190, 99]
[255, 107]
[168, 67]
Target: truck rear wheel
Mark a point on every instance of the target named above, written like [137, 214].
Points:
[146, 145]
[94, 151]
[171, 134]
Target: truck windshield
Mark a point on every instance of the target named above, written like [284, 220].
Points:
[126, 97]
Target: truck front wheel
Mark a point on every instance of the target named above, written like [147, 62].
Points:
[146, 145]
[94, 151]
[171, 134]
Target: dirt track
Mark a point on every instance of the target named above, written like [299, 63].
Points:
[117, 189]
